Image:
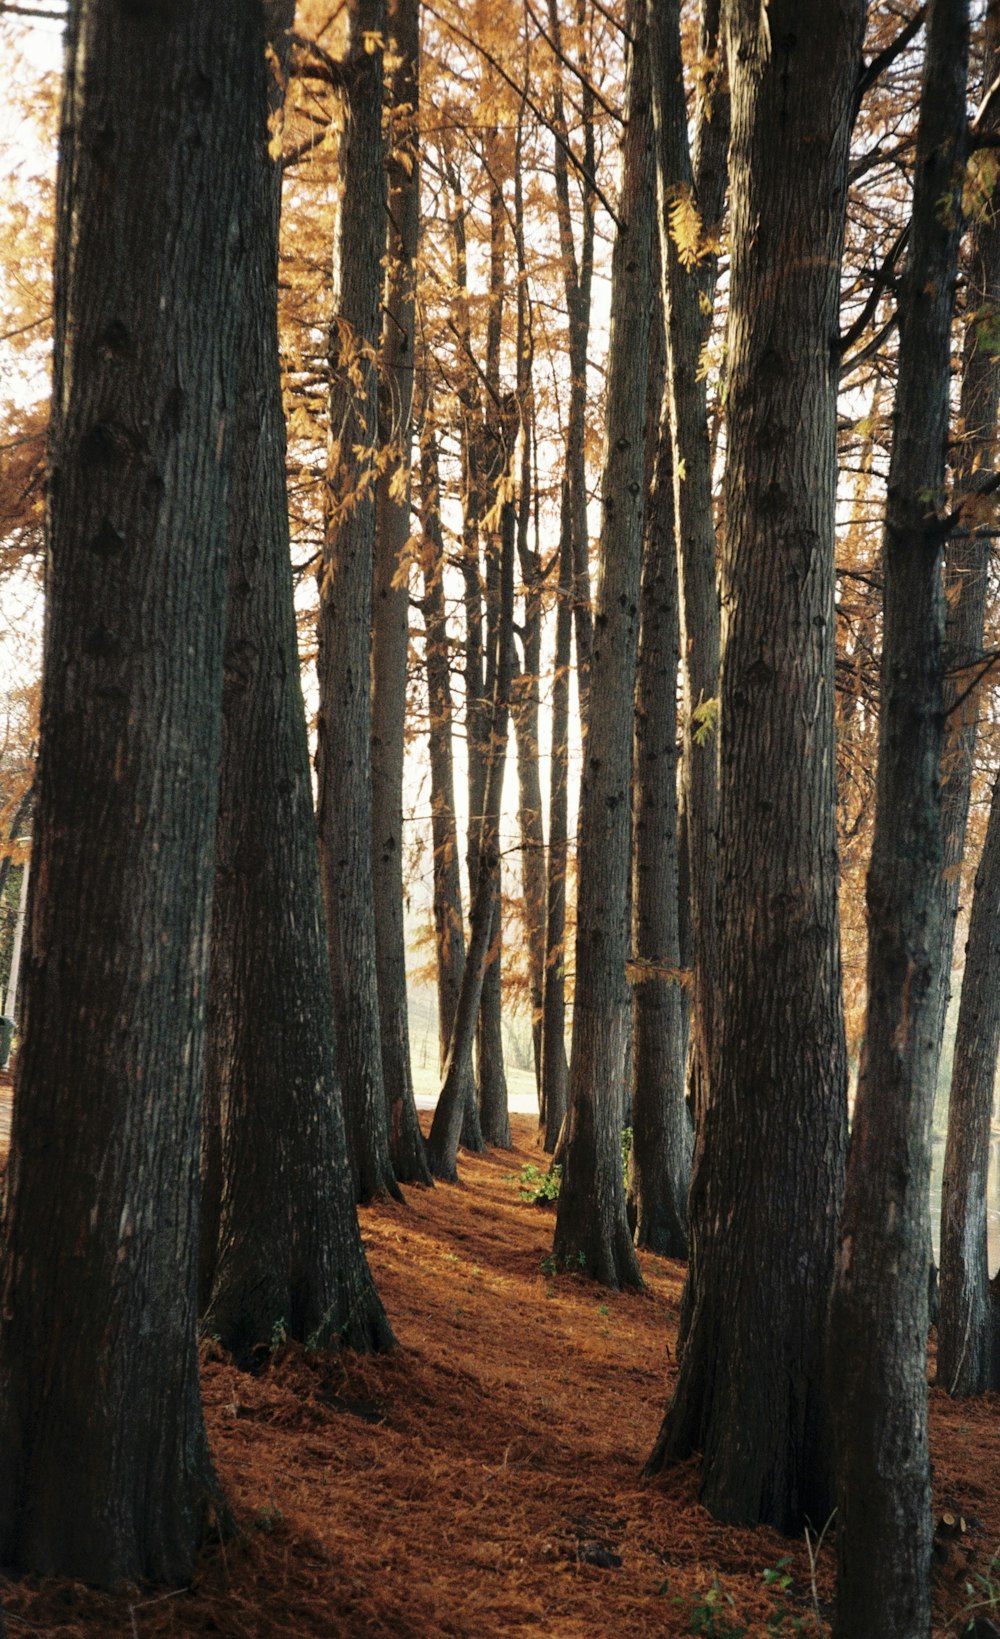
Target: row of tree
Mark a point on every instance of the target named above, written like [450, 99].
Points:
[194, 1122]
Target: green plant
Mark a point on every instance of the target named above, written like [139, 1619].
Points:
[710, 1615]
[279, 1334]
[626, 1152]
[268, 1519]
[534, 1184]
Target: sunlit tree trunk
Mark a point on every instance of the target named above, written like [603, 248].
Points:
[343, 758]
[105, 1472]
[592, 1230]
[879, 1312]
[768, 1174]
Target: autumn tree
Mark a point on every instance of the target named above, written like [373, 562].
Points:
[343, 758]
[768, 1176]
[879, 1312]
[288, 1254]
[105, 1466]
[591, 1227]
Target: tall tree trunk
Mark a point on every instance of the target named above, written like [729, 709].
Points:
[768, 1175]
[688, 290]
[964, 1316]
[555, 1068]
[591, 1227]
[390, 634]
[343, 758]
[105, 1470]
[289, 1251]
[879, 1311]
[660, 1158]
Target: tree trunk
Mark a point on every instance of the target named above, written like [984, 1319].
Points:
[592, 1231]
[660, 1158]
[390, 636]
[447, 1125]
[555, 1069]
[768, 1174]
[289, 1252]
[688, 289]
[879, 1311]
[449, 928]
[964, 1319]
[343, 759]
[968, 1359]
[105, 1471]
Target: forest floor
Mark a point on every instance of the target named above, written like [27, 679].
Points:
[485, 1477]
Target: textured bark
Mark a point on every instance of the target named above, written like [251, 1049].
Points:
[289, 1252]
[592, 1230]
[343, 758]
[879, 1311]
[660, 1158]
[555, 1067]
[965, 1317]
[687, 292]
[768, 1175]
[968, 1360]
[390, 632]
[105, 1470]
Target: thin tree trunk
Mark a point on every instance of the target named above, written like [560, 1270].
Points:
[592, 1231]
[343, 759]
[688, 289]
[555, 1068]
[660, 1157]
[768, 1174]
[879, 1311]
[105, 1472]
[446, 1128]
[289, 1252]
[390, 633]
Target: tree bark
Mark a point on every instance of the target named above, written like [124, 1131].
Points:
[592, 1232]
[289, 1252]
[965, 1312]
[768, 1174]
[688, 290]
[105, 1470]
[660, 1157]
[343, 758]
[390, 633]
[879, 1310]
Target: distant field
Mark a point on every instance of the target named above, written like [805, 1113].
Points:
[520, 1086]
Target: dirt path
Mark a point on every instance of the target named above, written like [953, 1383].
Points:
[484, 1480]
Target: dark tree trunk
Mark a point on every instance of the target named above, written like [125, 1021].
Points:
[592, 1230]
[965, 1313]
[687, 291]
[555, 1069]
[390, 635]
[343, 759]
[289, 1252]
[105, 1471]
[768, 1175]
[879, 1311]
[660, 1158]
